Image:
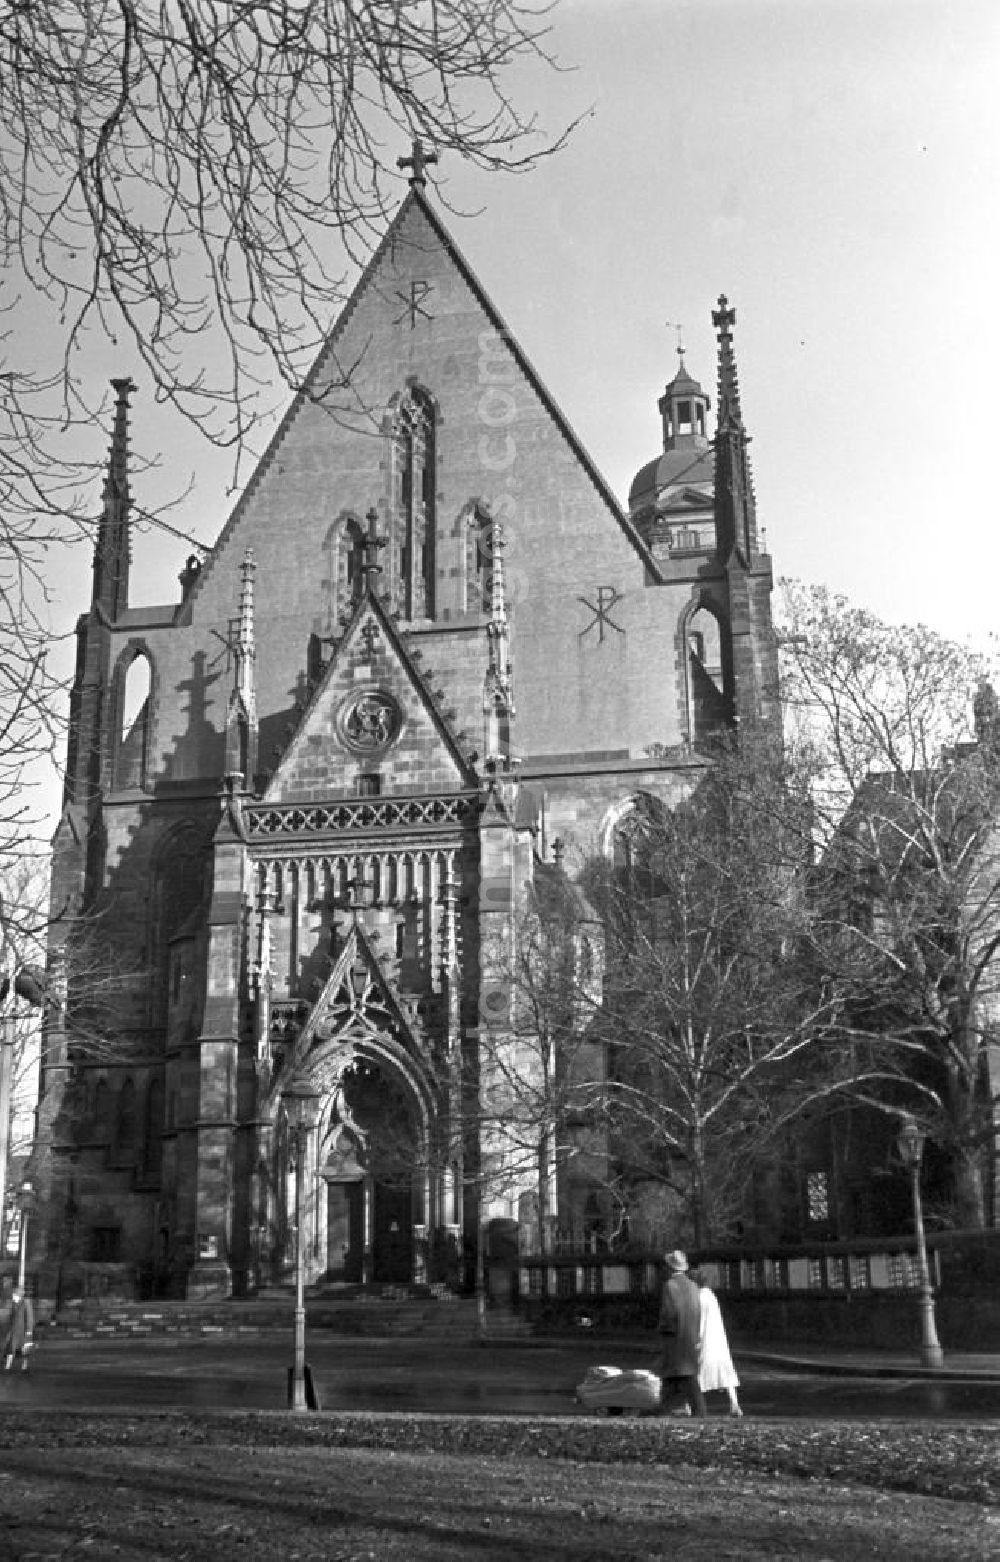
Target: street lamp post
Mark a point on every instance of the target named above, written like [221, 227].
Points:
[27, 1209]
[911, 1152]
[298, 1105]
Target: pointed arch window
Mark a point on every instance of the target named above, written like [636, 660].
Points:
[344, 549]
[637, 836]
[132, 700]
[413, 562]
[708, 674]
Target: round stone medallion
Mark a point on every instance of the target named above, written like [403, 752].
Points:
[370, 722]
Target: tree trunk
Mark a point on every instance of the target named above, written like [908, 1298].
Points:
[699, 1214]
[967, 1117]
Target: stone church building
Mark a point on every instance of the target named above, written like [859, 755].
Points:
[429, 659]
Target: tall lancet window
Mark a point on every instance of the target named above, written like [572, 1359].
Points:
[344, 548]
[708, 674]
[132, 698]
[413, 563]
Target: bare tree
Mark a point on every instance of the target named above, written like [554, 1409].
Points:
[906, 914]
[64, 1009]
[199, 183]
[540, 1069]
[721, 1028]
[23, 918]
[29, 726]
[193, 187]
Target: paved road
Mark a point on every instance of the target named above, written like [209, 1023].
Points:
[404, 1374]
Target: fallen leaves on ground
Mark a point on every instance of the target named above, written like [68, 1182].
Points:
[414, 1488]
[943, 1459]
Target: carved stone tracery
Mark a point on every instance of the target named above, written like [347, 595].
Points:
[387, 813]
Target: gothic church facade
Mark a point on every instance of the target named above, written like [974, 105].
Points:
[428, 657]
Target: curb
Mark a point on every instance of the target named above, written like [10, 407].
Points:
[818, 1367]
[804, 1364]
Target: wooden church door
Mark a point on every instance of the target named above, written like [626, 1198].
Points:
[345, 1231]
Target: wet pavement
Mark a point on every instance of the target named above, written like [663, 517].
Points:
[468, 1377]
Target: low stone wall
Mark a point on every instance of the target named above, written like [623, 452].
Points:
[882, 1321]
[863, 1293]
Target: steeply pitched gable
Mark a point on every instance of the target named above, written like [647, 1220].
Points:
[335, 359]
[372, 714]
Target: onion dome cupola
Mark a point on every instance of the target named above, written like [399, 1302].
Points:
[671, 498]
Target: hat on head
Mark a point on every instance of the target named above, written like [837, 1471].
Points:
[676, 1261]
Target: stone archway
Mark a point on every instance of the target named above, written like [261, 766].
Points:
[371, 1187]
[373, 1175]
[380, 1107]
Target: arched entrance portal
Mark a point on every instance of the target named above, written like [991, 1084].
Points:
[371, 1161]
[373, 1181]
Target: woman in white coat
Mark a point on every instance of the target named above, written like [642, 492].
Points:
[715, 1364]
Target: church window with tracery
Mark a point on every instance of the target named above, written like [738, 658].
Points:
[636, 839]
[413, 540]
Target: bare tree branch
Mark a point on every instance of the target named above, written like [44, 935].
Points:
[905, 809]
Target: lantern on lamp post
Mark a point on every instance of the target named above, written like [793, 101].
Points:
[299, 1100]
[910, 1142]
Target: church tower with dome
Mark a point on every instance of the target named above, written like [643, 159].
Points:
[671, 498]
[429, 666]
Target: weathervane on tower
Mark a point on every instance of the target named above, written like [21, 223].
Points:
[675, 325]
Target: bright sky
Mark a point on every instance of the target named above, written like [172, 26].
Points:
[833, 166]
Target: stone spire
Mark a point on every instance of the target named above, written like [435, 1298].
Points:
[498, 689]
[241, 716]
[735, 505]
[113, 550]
